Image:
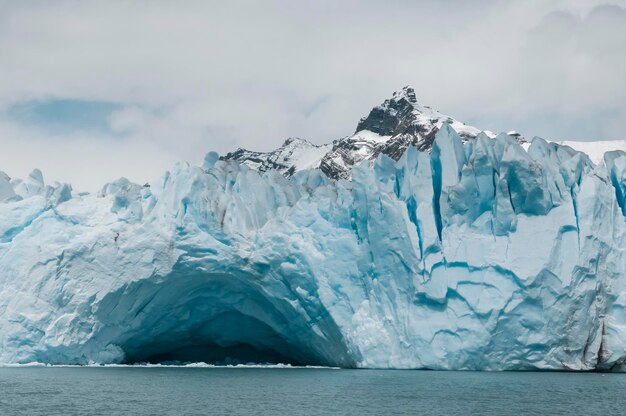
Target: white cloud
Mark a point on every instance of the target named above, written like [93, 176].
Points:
[86, 161]
[200, 76]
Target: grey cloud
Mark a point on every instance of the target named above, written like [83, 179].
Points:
[197, 76]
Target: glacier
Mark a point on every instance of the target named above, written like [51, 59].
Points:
[481, 255]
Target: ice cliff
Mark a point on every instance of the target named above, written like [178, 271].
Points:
[480, 254]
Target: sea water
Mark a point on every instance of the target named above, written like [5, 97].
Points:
[304, 391]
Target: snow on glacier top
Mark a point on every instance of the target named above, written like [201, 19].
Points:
[596, 149]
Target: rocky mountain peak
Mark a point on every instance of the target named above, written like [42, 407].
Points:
[389, 128]
[392, 117]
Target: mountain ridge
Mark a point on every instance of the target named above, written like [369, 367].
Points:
[389, 128]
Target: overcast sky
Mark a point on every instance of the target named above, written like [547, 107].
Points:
[91, 91]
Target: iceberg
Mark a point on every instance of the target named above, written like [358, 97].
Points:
[483, 254]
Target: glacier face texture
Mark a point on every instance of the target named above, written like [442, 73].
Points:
[478, 255]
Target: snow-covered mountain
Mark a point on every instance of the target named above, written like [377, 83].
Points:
[482, 253]
[294, 155]
[389, 129]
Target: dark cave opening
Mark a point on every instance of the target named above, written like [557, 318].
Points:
[216, 318]
[227, 338]
[217, 355]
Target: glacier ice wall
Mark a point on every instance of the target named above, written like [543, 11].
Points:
[477, 256]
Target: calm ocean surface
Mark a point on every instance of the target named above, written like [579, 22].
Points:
[258, 391]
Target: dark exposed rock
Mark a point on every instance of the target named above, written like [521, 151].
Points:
[393, 117]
